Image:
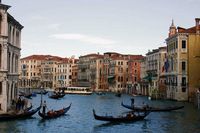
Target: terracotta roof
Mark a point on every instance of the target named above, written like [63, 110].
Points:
[189, 30]
[42, 57]
[136, 57]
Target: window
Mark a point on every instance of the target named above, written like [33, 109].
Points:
[135, 79]
[183, 43]
[1, 88]
[118, 79]
[183, 81]
[0, 54]
[183, 89]
[121, 79]
[0, 23]
[183, 66]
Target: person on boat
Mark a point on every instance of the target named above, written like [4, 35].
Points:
[44, 107]
[25, 103]
[145, 106]
[132, 102]
[22, 103]
[18, 103]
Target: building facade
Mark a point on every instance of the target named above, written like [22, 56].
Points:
[183, 62]
[155, 62]
[134, 73]
[64, 74]
[30, 71]
[10, 46]
[46, 71]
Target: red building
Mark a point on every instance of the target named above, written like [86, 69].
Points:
[134, 71]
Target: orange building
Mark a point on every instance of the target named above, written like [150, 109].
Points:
[134, 71]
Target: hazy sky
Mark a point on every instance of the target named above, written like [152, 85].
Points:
[78, 27]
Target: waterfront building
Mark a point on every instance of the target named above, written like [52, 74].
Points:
[118, 72]
[30, 71]
[155, 60]
[134, 73]
[49, 70]
[144, 83]
[88, 70]
[46, 71]
[75, 73]
[64, 73]
[10, 46]
[99, 72]
[183, 61]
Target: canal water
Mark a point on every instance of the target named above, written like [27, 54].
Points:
[79, 119]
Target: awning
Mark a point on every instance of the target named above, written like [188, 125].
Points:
[110, 77]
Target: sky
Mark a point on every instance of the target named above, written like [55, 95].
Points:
[78, 27]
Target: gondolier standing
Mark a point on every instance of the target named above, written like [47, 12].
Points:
[44, 107]
[132, 102]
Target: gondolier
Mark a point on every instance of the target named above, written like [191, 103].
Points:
[132, 102]
[44, 107]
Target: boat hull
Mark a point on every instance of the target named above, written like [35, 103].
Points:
[120, 119]
[152, 109]
[55, 114]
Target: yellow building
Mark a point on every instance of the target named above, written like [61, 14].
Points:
[30, 71]
[183, 61]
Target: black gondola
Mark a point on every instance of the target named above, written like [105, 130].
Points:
[23, 115]
[152, 109]
[57, 95]
[54, 114]
[118, 95]
[130, 117]
[44, 92]
[26, 95]
[29, 108]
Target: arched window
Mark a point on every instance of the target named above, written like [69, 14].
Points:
[0, 55]
[0, 23]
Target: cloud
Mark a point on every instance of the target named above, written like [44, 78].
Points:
[83, 38]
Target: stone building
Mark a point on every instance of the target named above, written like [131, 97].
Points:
[10, 46]
[183, 62]
[155, 61]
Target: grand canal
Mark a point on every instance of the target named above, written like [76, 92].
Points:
[80, 119]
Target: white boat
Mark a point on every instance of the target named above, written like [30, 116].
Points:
[78, 90]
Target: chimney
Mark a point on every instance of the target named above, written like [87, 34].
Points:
[0, 1]
[197, 20]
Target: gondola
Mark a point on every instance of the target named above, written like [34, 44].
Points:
[44, 92]
[23, 115]
[152, 109]
[54, 114]
[130, 117]
[57, 95]
[29, 108]
[26, 95]
[118, 95]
